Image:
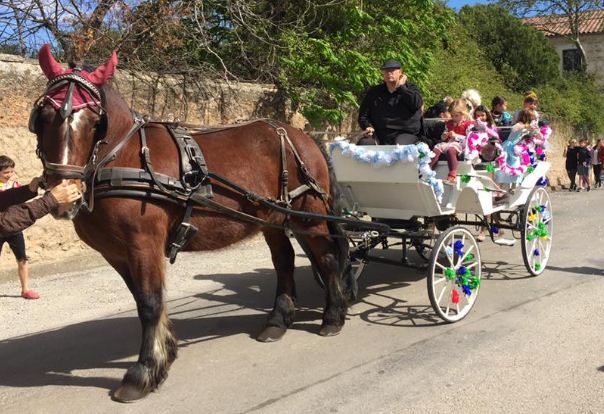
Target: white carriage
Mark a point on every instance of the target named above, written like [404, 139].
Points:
[394, 185]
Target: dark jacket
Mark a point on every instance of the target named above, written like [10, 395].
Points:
[389, 112]
[16, 215]
[584, 156]
[572, 155]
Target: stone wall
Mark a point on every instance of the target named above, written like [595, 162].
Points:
[21, 82]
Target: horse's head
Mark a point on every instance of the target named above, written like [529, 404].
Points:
[70, 121]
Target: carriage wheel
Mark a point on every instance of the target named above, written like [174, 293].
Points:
[537, 231]
[455, 274]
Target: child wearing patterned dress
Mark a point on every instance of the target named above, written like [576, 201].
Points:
[15, 241]
[453, 140]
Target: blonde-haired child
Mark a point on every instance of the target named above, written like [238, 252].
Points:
[453, 139]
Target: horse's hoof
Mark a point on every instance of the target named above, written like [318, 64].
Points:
[271, 334]
[330, 330]
[128, 393]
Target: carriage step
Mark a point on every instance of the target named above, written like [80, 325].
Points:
[505, 242]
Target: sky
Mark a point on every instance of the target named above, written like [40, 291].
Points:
[458, 4]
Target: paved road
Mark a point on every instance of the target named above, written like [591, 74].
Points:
[530, 344]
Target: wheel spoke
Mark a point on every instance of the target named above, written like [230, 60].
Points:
[440, 296]
[442, 279]
[461, 259]
[544, 252]
[441, 266]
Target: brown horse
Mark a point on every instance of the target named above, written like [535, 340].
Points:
[80, 119]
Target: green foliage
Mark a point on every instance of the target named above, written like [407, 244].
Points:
[578, 101]
[462, 65]
[520, 53]
[325, 72]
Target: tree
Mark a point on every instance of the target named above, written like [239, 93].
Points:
[74, 24]
[326, 71]
[570, 14]
[520, 53]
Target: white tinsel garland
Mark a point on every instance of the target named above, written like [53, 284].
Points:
[418, 153]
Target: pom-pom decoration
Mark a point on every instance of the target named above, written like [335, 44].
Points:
[536, 252]
[458, 247]
[450, 273]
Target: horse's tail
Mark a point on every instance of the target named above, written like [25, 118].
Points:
[336, 207]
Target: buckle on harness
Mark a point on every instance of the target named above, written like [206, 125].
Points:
[193, 179]
[184, 233]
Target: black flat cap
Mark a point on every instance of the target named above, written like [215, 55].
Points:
[391, 64]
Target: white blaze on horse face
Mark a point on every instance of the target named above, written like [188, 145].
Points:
[73, 124]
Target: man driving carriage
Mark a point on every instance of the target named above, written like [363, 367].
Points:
[391, 112]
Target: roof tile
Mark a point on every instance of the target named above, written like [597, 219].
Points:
[558, 25]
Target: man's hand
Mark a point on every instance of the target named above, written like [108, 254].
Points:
[66, 193]
[402, 80]
[369, 131]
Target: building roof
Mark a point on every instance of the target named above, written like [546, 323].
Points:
[591, 22]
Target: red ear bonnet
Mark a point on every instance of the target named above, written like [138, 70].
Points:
[104, 72]
[49, 65]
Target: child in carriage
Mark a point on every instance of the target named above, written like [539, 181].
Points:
[515, 160]
[453, 140]
[499, 111]
[484, 123]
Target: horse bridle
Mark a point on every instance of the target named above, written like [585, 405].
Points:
[69, 171]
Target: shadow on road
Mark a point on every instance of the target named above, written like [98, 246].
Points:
[582, 270]
[504, 271]
[70, 355]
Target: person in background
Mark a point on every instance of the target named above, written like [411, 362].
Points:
[571, 154]
[391, 112]
[583, 163]
[438, 110]
[433, 122]
[531, 101]
[499, 106]
[473, 100]
[482, 117]
[597, 160]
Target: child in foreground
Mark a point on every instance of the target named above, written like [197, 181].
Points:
[15, 241]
